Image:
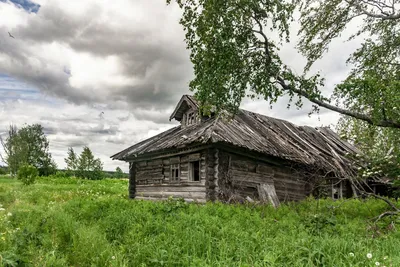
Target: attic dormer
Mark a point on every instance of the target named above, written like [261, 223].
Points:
[186, 111]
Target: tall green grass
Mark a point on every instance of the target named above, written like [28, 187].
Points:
[72, 222]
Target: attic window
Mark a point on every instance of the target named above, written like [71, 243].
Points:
[191, 118]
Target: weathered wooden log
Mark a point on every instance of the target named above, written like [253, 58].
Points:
[132, 180]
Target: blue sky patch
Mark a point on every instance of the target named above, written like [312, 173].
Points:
[12, 89]
[25, 4]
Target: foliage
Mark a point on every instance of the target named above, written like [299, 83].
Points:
[12, 151]
[234, 53]
[27, 174]
[85, 166]
[4, 170]
[71, 161]
[380, 147]
[76, 222]
[28, 145]
[372, 86]
[119, 173]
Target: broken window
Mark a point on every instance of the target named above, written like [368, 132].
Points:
[175, 172]
[194, 171]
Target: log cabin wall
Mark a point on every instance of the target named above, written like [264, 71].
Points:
[172, 176]
[240, 176]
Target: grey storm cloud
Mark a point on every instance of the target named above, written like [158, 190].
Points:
[158, 62]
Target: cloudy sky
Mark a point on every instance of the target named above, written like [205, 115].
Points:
[108, 75]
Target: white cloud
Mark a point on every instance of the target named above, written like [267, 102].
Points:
[75, 59]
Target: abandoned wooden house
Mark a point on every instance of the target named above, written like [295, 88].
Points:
[246, 156]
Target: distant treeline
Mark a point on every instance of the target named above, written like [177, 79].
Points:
[26, 151]
[4, 170]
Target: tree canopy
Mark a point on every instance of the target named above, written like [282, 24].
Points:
[235, 54]
[85, 166]
[28, 145]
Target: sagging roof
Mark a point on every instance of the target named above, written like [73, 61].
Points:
[318, 147]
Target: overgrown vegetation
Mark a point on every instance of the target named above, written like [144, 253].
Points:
[27, 174]
[75, 222]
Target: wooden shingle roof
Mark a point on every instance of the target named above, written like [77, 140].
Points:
[318, 147]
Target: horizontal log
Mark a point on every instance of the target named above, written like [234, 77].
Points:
[149, 176]
[163, 188]
[141, 163]
[165, 198]
[150, 169]
[194, 195]
[250, 177]
[265, 169]
[154, 162]
[242, 184]
[174, 160]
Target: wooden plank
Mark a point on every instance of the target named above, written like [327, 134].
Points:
[154, 162]
[151, 168]
[194, 157]
[142, 163]
[267, 193]
[194, 195]
[172, 188]
[261, 168]
[174, 160]
[244, 176]
[164, 198]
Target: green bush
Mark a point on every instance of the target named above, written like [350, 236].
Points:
[3, 170]
[27, 174]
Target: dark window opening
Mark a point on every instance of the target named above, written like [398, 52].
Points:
[195, 171]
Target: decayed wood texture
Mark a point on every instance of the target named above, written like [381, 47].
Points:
[247, 174]
[210, 177]
[246, 155]
[189, 191]
[132, 180]
[318, 148]
[154, 178]
[267, 194]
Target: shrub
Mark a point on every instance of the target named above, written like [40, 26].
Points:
[27, 174]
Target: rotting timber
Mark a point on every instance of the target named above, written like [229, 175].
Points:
[247, 156]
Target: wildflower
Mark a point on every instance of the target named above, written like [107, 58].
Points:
[113, 257]
[385, 258]
[351, 254]
[9, 214]
[369, 255]
[1, 209]
[377, 263]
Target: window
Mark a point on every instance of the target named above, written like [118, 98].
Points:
[175, 172]
[194, 171]
[191, 118]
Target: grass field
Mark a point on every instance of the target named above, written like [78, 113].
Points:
[72, 222]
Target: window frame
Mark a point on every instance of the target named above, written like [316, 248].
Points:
[192, 169]
[175, 167]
